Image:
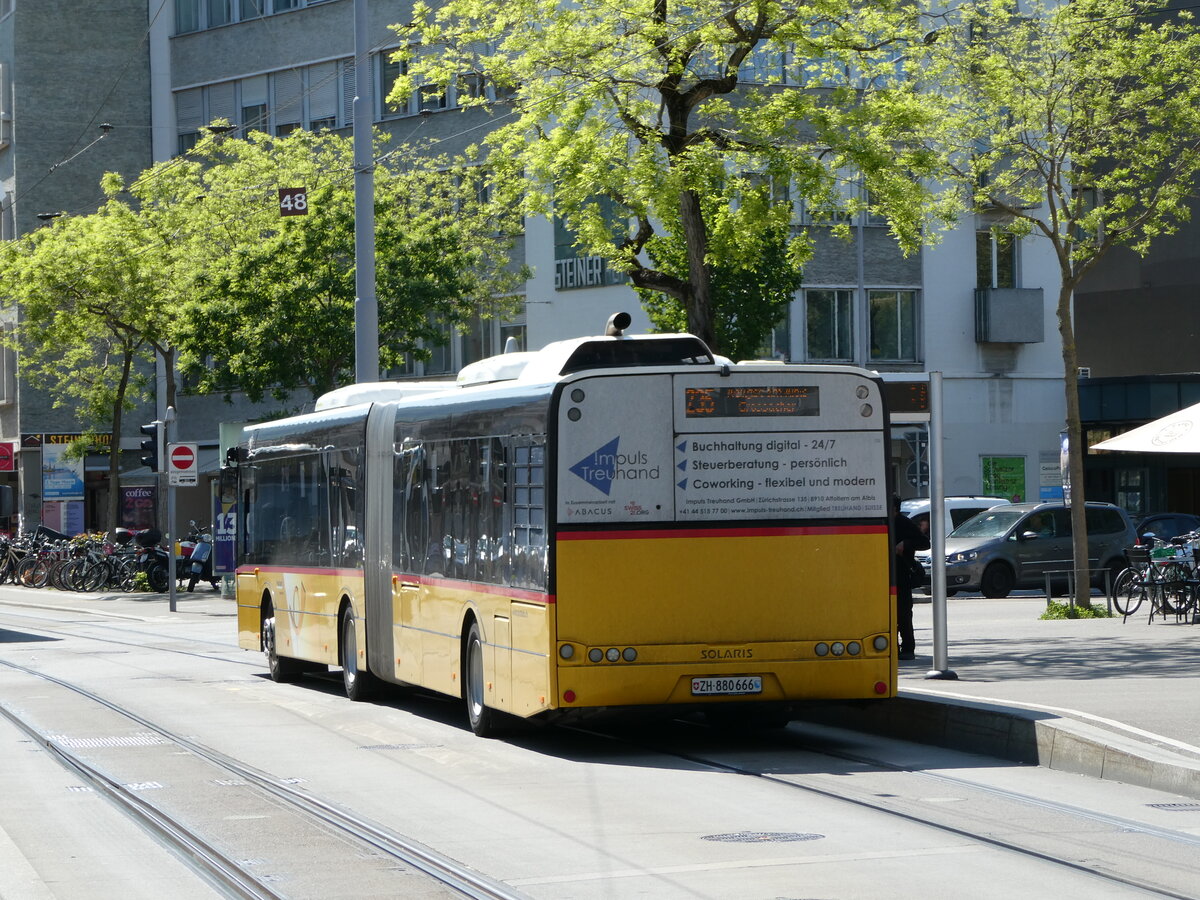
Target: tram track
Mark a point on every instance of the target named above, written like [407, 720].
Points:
[1079, 852]
[230, 875]
[811, 785]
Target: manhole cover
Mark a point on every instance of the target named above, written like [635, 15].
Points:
[100, 743]
[762, 837]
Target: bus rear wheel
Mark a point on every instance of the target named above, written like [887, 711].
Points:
[359, 683]
[481, 718]
[282, 668]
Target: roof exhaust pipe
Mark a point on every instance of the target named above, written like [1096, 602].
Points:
[617, 323]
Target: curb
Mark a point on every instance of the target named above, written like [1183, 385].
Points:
[1019, 735]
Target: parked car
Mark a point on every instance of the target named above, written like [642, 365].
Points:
[1019, 544]
[958, 509]
[1167, 525]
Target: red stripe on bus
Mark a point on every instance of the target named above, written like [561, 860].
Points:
[564, 535]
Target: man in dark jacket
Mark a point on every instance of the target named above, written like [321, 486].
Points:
[909, 539]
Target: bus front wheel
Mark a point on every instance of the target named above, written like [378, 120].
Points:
[481, 718]
[282, 668]
[359, 683]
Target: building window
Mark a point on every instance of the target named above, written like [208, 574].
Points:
[516, 332]
[829, 324]
[8, 225]
[187, 16]
[220, 12]
[187, 140]
[778, 342]
[196, 15]
[893, 319]
[995, 260]
[389, 70]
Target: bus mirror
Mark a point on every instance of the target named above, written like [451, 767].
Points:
[229, 479]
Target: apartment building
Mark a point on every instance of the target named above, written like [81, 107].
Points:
[978, 311]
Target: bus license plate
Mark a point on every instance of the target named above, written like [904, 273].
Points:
[737, 684]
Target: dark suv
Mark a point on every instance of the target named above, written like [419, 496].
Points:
[1018, 545]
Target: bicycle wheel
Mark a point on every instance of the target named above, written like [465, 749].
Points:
[38, 574]
[125, 575]
[72, 574]
[1128, 592]
[1174, 587]
[94, 576]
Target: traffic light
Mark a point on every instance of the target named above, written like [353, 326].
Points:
[152, 445]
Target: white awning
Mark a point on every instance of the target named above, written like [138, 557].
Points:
[1177, 433]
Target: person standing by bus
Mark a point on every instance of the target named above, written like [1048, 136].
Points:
[909, 539]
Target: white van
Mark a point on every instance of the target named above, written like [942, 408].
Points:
[958, 509]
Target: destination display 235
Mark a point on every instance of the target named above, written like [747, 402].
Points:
[751, 400]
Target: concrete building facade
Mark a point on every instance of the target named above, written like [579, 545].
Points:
[979, 311]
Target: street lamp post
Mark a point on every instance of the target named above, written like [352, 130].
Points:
[366, 306]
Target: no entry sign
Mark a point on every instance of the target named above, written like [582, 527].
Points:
[181, 464]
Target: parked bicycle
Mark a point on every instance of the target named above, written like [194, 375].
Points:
[1162, 574]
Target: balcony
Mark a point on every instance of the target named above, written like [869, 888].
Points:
[1009, 316]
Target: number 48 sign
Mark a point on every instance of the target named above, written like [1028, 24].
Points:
[293, 201]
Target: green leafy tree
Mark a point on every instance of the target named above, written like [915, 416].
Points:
[748, 300]
[264, 303]
[704, 122]
[1080, 123]
[86, 290]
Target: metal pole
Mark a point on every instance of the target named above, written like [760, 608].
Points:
[366, 306]
[937, 535]
[170, 425]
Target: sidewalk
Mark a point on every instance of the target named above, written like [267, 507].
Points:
[1101, 697]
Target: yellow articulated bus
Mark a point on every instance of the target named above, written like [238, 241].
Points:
[615, 521]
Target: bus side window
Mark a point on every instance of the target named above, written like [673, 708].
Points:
[438, 546]
[344, 508]
[529, 515]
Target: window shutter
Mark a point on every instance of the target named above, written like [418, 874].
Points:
[221, 103]
[349, 88]
[188, 110]
[322, 91]
[289, 91]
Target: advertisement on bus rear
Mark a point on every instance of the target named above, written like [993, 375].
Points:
[639, 468]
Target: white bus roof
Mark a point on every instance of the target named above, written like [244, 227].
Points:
[377, 391]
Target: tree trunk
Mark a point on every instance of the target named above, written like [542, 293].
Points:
[699, 299]
[1075, 438]
[114, 449]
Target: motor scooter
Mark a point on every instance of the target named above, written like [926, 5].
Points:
[152, 559]
[200, 563]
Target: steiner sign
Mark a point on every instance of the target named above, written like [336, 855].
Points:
[772, 475]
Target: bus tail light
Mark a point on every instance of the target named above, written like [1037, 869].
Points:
[880, 687]
[568, 696]
[566, 651]
[611, 654]
[880, 643]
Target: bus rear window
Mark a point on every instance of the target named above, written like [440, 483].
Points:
[629, 353]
